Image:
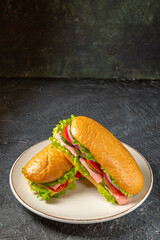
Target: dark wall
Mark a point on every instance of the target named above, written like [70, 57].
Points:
[102, 39]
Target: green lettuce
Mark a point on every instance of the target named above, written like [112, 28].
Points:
[45, 194]
[122, 191]
[67, 176]
[42, 192]
[79, 166]
[89, 156]
[114, 182]
[22, 169]
[102, 190]
[59, 128]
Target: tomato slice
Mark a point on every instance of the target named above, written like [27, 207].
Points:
[65, 134]
[111, 187]
[78, 175]
[60, 188]
[94, 166]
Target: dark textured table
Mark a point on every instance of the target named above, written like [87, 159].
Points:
[29, 109]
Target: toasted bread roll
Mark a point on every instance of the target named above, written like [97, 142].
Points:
[109, 152]
[47, 165]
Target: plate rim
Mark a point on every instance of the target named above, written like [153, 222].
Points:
[78, 221]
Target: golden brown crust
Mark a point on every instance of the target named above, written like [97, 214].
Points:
[109, 152]
[47, 165]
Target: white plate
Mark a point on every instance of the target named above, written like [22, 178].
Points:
[83, 205]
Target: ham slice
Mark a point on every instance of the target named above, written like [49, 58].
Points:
[121, 199]
[56, 186]
[96, 176]
[71, 149]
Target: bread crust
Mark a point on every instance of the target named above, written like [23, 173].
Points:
[47, 165]
[109, 152]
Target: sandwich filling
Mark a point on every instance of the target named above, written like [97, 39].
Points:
[86, 163]
[55, 188]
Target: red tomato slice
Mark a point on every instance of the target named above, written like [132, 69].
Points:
[94, 166]
[78, 175]
[60, 188]
[112, 188]
[65, 134]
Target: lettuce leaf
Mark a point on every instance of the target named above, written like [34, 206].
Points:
[89, 156]
[59, 128]
[122, 191]
[67, 176]
[102, 190]
[45, 194]
[79, 166]
[114, 182]
[22, 169]
[42, 192]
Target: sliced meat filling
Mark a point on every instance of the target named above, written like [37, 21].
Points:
[120, 198]
[96, 176]
[56, 186]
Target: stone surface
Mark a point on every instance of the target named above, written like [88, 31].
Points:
[103, 39]
[29, 109]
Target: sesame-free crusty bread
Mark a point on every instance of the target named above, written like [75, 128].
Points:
[109, 152]
[47, 165]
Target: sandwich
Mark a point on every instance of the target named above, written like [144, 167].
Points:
[50, 174]
[100, 157]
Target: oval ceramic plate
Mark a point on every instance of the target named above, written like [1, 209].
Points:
[82, 205]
